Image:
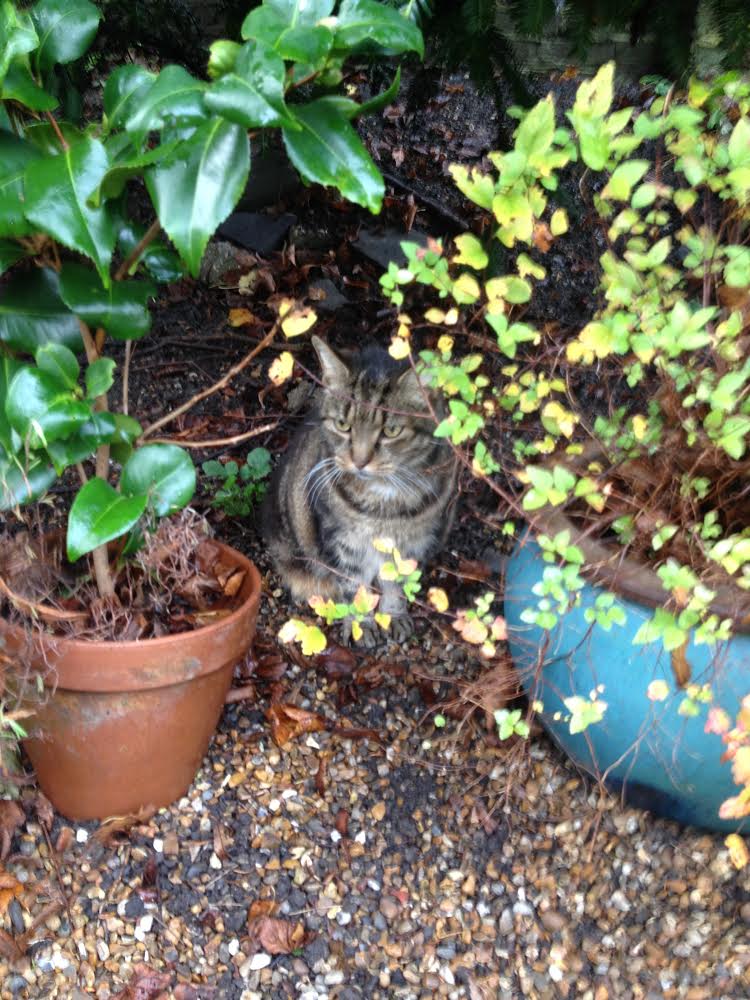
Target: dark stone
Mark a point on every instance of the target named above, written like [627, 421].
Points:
[16, 916]
[398, 978]
[259, 233]
[234, 919]
[134, 908]
[332, 299]
[271, 178]
[316, 951]
[384, 247]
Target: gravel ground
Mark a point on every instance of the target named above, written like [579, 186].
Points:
[424, 864]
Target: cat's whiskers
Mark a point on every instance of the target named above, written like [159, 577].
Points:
[316, 473]
[418, 480]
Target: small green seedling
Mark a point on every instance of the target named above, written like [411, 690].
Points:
[240, 487]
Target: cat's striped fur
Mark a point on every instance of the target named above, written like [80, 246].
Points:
[364, 466]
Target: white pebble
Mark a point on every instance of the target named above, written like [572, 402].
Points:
[288, 793]
[158, 845]
[274, 805]
[197, 804]
[233, 947]
[334, 978]
[361, 837]
[102, 950]
[82, 836]
[447, 975]
[259, 961]
[214, 861]
[555, 973]
[335, 836]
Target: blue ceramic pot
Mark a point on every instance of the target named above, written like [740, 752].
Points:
[663, 761]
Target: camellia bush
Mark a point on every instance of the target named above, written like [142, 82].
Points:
[663, 475]
[82, 271]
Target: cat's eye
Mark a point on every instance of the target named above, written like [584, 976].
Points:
[342, 425]
[392, 430]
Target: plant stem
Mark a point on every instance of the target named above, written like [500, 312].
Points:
[60, 137]
[104, 582]
[148, 237]
[234, 370]
[219, 442]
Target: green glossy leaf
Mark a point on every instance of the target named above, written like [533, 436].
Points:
[15, 155]
[98, 514]
[10, 254]
[57, 193]
[192, 197]
[100, 429]
[739, 144]
[33, 314]
[122, 309]
[17, 35]
[19, 85]
[9, 440]
[99, 377]
[327, 150]
[114, 181]
[536, 131]
[19, 485]
[253, 93]
[291, 30]
[161, 263]
[66, 28]
[126, 431]
[45, 138]
[40, 408]
[124, 92]
[174, 95]
[164, 472]
[366, 21]
[59, 362]
[381, 100]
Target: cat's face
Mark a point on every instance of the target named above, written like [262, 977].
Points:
[375, 415]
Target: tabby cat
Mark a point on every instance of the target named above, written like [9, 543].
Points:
[364, 466]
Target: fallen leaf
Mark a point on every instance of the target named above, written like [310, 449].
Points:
[738, 852]
[64, 840]
[117, 825]
[233, 583]
[288, 721]
[11, 817]
[44, 810]
[542, 237]
[438, 599]
[320, 776]
[274, 936]
[342, 822]
[221, 840]
[336, 662]
[241, 317]
[145, 984]
[261, 908]
[10, 889]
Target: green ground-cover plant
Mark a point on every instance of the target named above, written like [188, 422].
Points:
[663, 475]
[82, 271]
[239, 487]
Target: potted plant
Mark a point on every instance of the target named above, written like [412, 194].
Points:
[626, 597]
[129, 721]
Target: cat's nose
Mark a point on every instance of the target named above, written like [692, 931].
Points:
[361, 454]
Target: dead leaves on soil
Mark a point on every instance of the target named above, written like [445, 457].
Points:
[271, 934]
[288, 721]
[149, 984]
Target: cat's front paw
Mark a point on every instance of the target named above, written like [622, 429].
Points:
[402, 628]
[372, 634]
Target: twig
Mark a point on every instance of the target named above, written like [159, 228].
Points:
[240, 693]
[104, 582]
[218, 442]
[56, 128]
[126, 376]
[432, 203]
[42, 610]
[234, 370]
[148, 237]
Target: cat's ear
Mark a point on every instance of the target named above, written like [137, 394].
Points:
[334, 371]
[410, 384]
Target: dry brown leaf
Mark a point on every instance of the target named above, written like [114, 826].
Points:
[288, 721]
[276, 937]
[44, 810]
[11, 817]
[64, 840]
[145, 984]
[342, 822]
[542, 237]
[234, 582]
[10, 889]
[321, 776]
[117, 825]
[221, 840]
[241, 317]
[261, 908]
[680, 667]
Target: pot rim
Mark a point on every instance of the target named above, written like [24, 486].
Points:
[139, 664]
[608, 566]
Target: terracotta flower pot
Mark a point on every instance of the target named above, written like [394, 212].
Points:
[128, 723]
